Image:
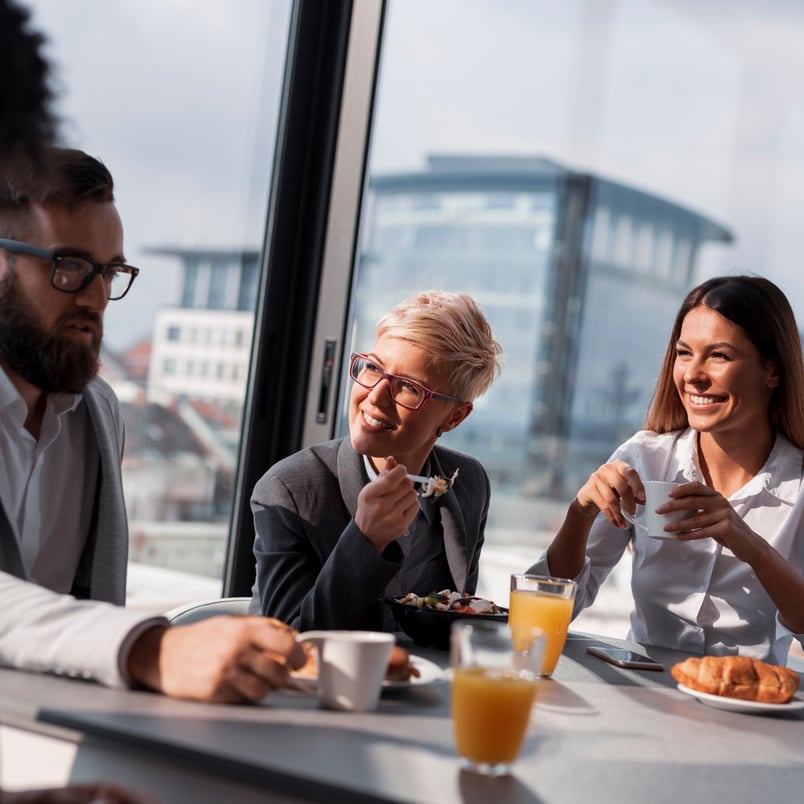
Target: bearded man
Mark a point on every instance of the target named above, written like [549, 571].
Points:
[61, 435]
[63, 525]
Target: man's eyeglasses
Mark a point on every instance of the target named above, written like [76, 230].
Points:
[72, 273]
[406, 393]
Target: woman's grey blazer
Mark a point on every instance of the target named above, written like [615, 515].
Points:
[315, 569]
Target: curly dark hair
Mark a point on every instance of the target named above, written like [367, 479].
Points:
[25, 93]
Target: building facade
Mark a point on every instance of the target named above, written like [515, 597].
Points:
[201, 347]
[580, 278]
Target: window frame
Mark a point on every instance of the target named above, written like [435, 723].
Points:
[308, 250]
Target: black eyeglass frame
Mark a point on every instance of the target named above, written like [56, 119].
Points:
[384, 375]
[98, 268]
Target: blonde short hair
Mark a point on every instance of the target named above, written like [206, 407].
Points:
[453, 330]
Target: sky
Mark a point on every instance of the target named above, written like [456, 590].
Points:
[699, 103]
[179, 98]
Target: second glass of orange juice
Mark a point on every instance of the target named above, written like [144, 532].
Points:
[494, 683]
[546, 603]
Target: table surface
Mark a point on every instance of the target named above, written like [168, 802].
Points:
[598, 732]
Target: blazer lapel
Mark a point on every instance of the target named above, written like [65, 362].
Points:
[454, 528]
[351, 475]
[454, 542]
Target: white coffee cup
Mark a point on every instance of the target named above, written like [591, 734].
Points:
[656, 494]
[351, 667]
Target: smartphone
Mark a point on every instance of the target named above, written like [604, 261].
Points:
[625, 658]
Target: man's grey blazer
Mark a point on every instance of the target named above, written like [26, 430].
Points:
[315, 569]
[101, 572]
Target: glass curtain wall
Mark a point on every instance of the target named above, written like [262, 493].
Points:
[181, 102]
[577, 167]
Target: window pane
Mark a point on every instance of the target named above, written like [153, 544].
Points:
[184, 113]
[562, 163]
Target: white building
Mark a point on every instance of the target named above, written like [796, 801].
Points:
[201, 347]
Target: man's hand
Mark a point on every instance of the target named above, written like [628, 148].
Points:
[221, 659]
[77, 794]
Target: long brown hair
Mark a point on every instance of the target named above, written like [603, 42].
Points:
[764, 314]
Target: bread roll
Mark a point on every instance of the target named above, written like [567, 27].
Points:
[737, 677]
[399, 666]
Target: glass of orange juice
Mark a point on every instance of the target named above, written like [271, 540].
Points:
[542, 602]
[494, 685]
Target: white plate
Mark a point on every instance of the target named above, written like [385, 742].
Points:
[738, 705]
[429, 673]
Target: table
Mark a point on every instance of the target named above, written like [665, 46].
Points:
[599, 733]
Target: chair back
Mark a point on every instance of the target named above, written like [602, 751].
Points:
[200, 610]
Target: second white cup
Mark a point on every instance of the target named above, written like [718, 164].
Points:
[351, 667]
[656, 493]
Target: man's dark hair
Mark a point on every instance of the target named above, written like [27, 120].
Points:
[25, 94]
[62, 176]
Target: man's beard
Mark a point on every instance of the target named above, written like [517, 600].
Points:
[50, 361]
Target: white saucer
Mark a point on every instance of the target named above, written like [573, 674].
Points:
[738, 705]
[429, 673]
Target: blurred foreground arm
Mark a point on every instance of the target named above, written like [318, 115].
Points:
[223, 659]
[77, 794]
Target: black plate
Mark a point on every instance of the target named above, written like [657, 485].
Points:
[430, 628]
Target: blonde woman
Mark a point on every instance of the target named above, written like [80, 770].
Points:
[727, 423]
[340, 525]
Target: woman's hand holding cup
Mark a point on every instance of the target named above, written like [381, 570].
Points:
[614, 488]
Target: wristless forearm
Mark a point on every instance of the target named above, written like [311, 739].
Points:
[566, 553]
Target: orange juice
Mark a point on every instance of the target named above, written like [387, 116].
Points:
[551, 613]
[490, 712]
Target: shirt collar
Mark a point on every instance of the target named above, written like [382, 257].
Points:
[373, 473]
[370, 470]
[10, 399]
[12, 402]
[780, 476]
[687, 450]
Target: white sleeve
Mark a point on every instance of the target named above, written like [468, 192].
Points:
[47, 632]
[783, 640]
[604, 549]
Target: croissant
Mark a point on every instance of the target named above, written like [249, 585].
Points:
[737, 677]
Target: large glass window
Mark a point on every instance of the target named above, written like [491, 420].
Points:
[181, 101]
[577, 167]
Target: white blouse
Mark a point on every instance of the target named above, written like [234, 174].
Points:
[697, 596]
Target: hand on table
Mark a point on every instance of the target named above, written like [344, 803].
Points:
[387, 506]
[77, 794]
[221, 659]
